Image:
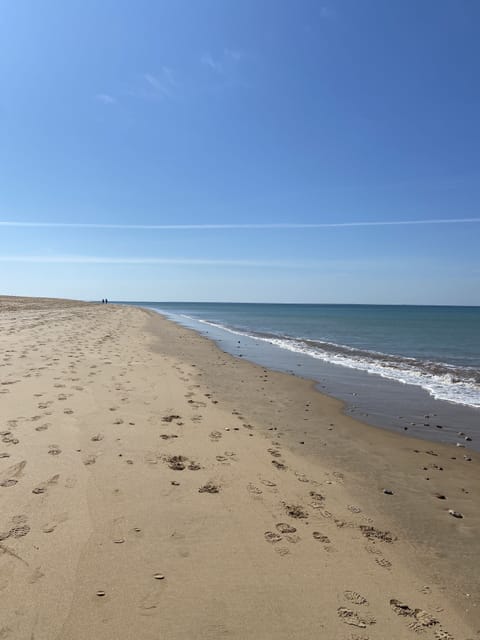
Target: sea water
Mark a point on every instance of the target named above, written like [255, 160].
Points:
[436, 348]
[413, 370]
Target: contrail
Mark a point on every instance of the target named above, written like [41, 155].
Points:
[267, 225]
[78, 259]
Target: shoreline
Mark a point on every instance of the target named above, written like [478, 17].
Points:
[120, 428]
[401, 462]
[371, 399]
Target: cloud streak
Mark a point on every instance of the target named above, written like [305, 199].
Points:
[208, 61]
[162, 84]
[128, 260]
[228, 58]
[105, 98]
[234, 226]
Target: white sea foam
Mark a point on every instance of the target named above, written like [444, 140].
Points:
[446, 385]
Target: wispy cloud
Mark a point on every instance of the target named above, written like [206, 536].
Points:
[326, 12]
[234, 54]
[223, 62]
[234, 226]
[105, 98]
[162, 84]
[214, 64]
[129, 260]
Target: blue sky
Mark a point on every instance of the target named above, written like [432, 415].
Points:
[257, 112]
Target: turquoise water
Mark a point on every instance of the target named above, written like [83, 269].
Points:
[436, 348]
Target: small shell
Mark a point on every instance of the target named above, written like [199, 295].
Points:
[100, 593]
[159, 576]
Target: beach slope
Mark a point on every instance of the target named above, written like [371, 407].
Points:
[152, 486]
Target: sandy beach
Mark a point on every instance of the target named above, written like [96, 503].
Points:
[152, 486]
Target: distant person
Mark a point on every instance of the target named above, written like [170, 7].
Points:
[106, 301]
[103, 301]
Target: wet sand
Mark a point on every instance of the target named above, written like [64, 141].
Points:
[368, 397]
[153, 486]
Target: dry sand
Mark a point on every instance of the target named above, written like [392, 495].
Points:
[152, 486]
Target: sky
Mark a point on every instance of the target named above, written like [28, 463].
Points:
[226, 150]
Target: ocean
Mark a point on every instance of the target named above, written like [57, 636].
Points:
[436, 348]
[393, 366]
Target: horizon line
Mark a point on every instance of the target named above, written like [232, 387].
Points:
[346, 304]
[233, 226]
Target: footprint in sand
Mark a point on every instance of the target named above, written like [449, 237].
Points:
[253, 490]
[149, 603]
[375, 534]
[268, 483]
[295, 510]
[421, 619]
[97, 437]
[54, 450]
[167, 436]
[284, 527]
[317, 500]
[318, 535]
[89, 459]
[292, 538]
[43, 486]
[301, 477]
[8, 437]
[209, 487]
[19, 531]
[272, 537]
[117, 530]
[10, 476]
[43, 427]
[282, 551]
[354, 509]
[177, 463]
[371, 548]
[355, 619]
[36, 575]
[274, 452]
[355, 597]
[151, 457]
[215, 436]
[383, 562]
